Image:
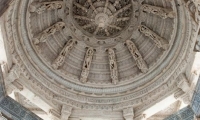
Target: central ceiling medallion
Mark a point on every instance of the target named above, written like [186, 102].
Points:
[102, 19]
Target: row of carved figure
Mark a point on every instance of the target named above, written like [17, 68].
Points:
[41, 7]
[159, 42]
[59, 61]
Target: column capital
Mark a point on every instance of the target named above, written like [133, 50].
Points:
[66, 112]
[128, 113]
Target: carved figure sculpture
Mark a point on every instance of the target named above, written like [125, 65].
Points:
[40, 7]
[162, 12]
[113, 66]
[159, 41]
[137, 56]
[42, 37]
[196, 4]
[86, 65]
[59, 61]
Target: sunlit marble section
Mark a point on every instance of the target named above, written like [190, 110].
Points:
[183, 114]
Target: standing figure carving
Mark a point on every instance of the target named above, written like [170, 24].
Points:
[137, 56]
[162, 12]
[42, 37]
[113, 66]
[40, 7]
[86, 65]
[159, 41]
[59, 61]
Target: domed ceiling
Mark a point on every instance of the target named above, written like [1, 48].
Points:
[100, 44]
[101, 54]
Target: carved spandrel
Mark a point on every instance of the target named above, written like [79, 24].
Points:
[113, 66]
[60, 60]
[137, 56]
[41, 7]
[42, 37]
[159, 41]
[86, 65]
[159, 11]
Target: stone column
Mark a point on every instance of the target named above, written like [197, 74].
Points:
[183, 84]
[66, 112]
[128, 113]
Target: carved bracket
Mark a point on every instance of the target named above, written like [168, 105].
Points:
[113, 66]
[59, 61]
[159, 41]
[162, 12]
[42, 37]
[137, 56]
[86, 65]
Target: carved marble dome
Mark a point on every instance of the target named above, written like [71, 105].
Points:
[101, 54]
[99, 42]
